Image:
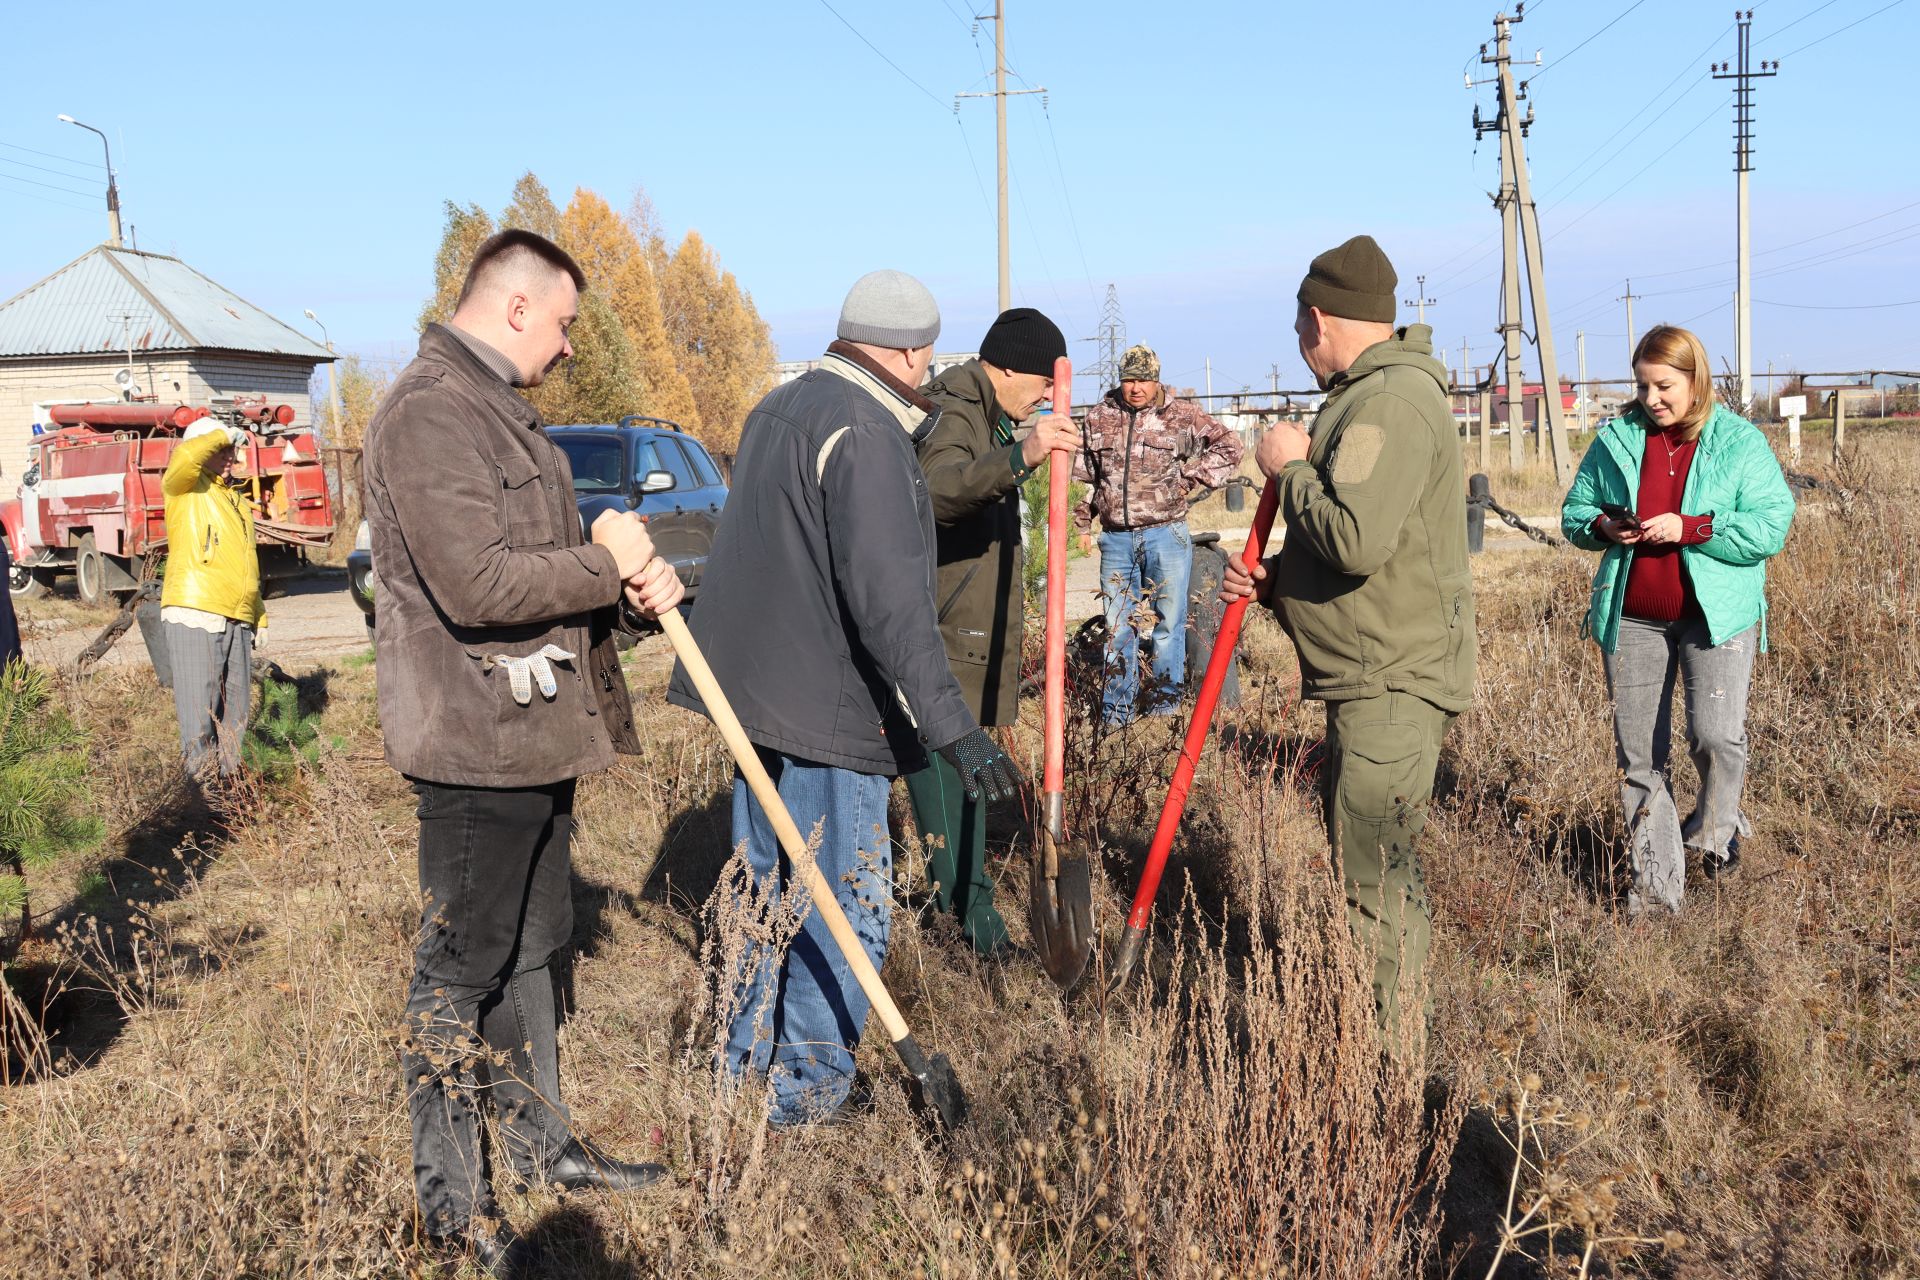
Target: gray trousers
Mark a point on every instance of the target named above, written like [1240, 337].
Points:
[1640, 673]
[212, 686]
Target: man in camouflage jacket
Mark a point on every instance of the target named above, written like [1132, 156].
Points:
[1147, 456]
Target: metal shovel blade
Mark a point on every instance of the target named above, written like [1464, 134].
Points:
[1060, 911]
[936, 1089]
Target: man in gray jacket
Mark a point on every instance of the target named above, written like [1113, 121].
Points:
[499, 685]
[816, 614]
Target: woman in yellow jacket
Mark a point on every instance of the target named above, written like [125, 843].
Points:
[210, 603]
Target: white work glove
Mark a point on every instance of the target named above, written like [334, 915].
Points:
[237, 436]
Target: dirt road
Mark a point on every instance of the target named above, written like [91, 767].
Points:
[316, 619]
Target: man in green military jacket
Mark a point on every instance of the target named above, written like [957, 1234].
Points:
[1372, 586]
[993, 432]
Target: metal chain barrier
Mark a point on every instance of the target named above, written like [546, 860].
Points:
[1485, 502]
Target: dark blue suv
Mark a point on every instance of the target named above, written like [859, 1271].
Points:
[650, 466]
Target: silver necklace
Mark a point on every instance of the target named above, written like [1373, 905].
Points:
[1671, 452]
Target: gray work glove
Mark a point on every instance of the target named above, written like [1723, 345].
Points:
[985, 770]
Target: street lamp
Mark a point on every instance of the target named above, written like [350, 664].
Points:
[333, 374]
[113, 190]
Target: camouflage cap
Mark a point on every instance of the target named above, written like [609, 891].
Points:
[1140, 364]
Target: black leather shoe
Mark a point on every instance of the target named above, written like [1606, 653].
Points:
[499, 1252]
[581, 1166]
[1715, 867]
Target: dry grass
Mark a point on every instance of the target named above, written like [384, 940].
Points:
[220, 1097]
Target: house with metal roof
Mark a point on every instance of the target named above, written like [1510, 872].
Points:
[118, 324]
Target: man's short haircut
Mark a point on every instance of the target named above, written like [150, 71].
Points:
[513, 253]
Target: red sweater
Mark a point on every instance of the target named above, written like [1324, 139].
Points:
[1658, 588]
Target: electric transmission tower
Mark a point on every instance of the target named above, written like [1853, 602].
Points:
[1743, 75]
[1110, 342]
[1520, 225]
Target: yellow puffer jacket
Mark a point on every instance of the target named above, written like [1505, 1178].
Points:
[211, 561]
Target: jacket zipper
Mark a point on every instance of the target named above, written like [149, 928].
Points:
[1126, 470]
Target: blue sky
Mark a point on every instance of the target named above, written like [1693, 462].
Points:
[1196, 156]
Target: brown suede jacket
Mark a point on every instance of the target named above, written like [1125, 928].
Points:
[477, 543]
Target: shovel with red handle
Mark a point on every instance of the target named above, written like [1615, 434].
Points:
[1060, 897]
[1224, 643]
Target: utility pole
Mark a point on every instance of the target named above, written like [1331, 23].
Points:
[1580, 345]
[1520, 226]
[1276, 388]
[1209, 384]
[1420, 299]
[1509, 301]
[333, 377]
[1466, 363]
[1628, 298]
[999, 95]
[113, 189]
[1743, 76]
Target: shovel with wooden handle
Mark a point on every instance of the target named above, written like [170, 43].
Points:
[938, 1089]
[1175, 807]
[1060, 898]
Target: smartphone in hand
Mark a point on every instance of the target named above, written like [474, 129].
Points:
[1619, 514]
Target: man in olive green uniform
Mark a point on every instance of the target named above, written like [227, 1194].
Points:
[1372, 585]
[975, 459]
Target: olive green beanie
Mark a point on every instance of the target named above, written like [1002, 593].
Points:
[1354, 281]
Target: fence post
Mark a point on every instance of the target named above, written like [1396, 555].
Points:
[1477, 515]
[1839, 421]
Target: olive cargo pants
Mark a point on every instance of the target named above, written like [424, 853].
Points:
[1381, 756]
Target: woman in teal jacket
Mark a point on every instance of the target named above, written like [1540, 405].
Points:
[1688, 503]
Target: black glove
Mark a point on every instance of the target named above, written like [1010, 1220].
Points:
[983, 767]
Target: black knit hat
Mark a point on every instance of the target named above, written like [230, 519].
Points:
[1023, 341]
[1354, 281]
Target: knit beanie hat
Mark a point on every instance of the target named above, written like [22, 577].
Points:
[889, 309]
[1354, 281]
[1140, 364]
[1023, 341]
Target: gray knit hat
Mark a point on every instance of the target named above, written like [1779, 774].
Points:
[889, 309]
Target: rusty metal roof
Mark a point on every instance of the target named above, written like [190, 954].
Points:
[109, 297]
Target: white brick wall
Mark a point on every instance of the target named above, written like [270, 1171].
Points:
[25, 384]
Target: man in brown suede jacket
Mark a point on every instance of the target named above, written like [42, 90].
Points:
[499, 686]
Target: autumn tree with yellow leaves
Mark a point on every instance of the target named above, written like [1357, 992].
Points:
[666, 335]
[719, 340]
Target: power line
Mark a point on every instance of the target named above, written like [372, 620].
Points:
[1648, 106]
[40, 168]
[883, 57]
[48, 155]
[1583, 44]
[1858, 306]
[48, 185]
[1656, 160]
[1066, 192]
[64, 204]
[1780, 31]
[1781, 248]
[1850, 26]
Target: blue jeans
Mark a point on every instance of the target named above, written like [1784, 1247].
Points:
[1142, 569]
[798, 1017]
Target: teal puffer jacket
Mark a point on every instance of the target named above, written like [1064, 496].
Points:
[1734, 476]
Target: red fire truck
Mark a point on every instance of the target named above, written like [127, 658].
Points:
[91, 502]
